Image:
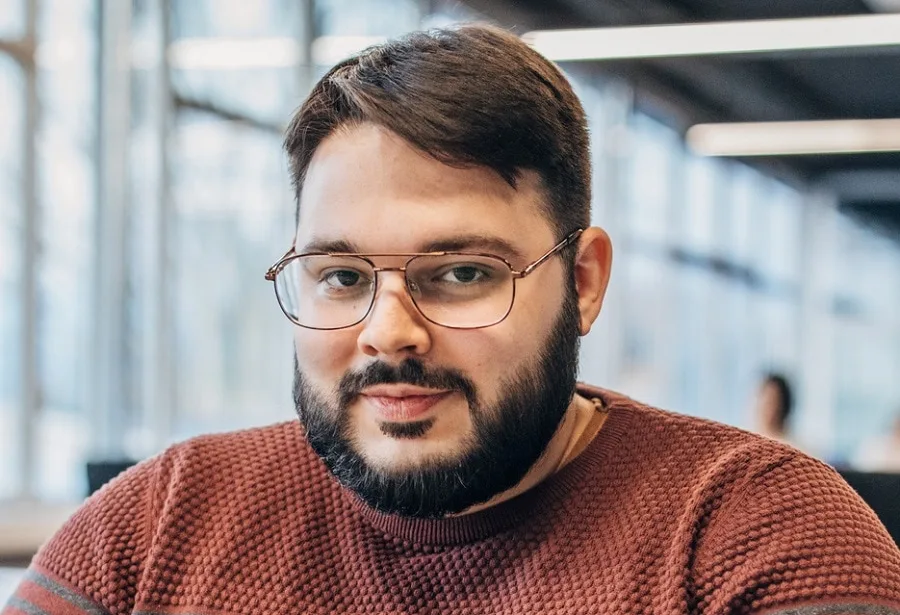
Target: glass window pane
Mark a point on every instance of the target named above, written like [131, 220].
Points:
[694, 360]
[648, 343]
[261, 95]
[371, 18]
[697, 232]
[867, 327]
[744, 205]
[219, 79]
[11, 142]
[234, 18]
[365, 21]
[233, 218]
[780, 335]
[650, 190]
[12, 18]
[736, 356]
[67, 191]
[783, 231]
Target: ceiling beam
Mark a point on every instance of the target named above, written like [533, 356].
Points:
[864, 185]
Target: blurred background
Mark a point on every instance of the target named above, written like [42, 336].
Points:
[143, 194]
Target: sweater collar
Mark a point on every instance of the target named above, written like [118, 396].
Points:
[551, 493]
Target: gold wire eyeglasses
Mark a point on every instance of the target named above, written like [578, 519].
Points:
[458, 290]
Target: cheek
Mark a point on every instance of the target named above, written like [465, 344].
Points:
[525, 331]
[490, 353]
[487, 356]
[535, 313]
[324, 356]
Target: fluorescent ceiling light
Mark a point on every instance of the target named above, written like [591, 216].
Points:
[763, 36]
[795, 138]
[284, 52]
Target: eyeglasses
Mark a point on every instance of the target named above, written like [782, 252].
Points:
[459, 290]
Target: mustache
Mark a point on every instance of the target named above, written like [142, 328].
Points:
[410, 371]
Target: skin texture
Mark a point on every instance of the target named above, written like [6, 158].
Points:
[370, 189]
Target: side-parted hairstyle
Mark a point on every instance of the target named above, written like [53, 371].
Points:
[472, 95]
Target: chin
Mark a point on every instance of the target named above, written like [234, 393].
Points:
[392, 456]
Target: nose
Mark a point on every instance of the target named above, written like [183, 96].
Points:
[394, 328]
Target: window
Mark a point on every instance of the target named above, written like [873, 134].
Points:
[12, 140]
[654, 149]
[66, 163]
[12, 19]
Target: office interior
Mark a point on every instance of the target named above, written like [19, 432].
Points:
[143, 194]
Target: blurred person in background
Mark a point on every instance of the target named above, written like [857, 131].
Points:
[446, 460]
[773, 405]
[882, 453]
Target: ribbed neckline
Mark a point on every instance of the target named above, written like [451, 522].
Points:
[485, 523]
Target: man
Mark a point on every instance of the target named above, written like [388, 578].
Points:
[441, 273]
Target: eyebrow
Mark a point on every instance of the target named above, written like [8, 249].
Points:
[475, 243]
[458, 243]
[328, 245]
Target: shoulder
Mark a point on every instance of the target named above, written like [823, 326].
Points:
[762, 527]
[798, 530]
[218, 479]
[204, 458]
[701, 450]
[197, 486]
[738, 475]
[246, 451]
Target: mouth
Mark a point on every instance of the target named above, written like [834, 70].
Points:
[400, 403]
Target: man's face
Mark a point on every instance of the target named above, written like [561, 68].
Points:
[417, 418]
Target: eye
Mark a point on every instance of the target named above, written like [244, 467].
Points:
[342, 278]
[464, 274]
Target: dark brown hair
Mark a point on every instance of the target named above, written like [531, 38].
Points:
[785, 395]
[471, 95]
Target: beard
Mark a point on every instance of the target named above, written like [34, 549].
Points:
[507, 438]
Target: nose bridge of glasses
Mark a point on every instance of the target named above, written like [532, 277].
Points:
[387, 269]
[394, 292]
[384, 284]
[401, 269]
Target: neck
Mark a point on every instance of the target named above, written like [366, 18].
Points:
[571, 428]
[773, 431]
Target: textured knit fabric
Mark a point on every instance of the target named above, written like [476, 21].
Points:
[662, 514]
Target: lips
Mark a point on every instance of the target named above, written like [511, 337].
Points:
[402, 406]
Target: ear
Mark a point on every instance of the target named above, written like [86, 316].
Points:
[592, 268]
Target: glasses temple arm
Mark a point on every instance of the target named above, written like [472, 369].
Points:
[562, 244]
[270, 274]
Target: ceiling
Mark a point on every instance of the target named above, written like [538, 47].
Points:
[686, 91]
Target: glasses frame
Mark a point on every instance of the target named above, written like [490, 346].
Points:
[290, 255]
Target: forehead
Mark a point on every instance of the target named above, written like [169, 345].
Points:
[367, 186]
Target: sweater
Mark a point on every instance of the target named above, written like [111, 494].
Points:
[662, 513]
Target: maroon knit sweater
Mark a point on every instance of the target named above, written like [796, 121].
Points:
[661, 514]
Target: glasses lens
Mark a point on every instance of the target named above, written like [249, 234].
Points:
[325, 292]
[461, 290]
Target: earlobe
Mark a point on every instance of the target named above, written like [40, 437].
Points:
[592, 268]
